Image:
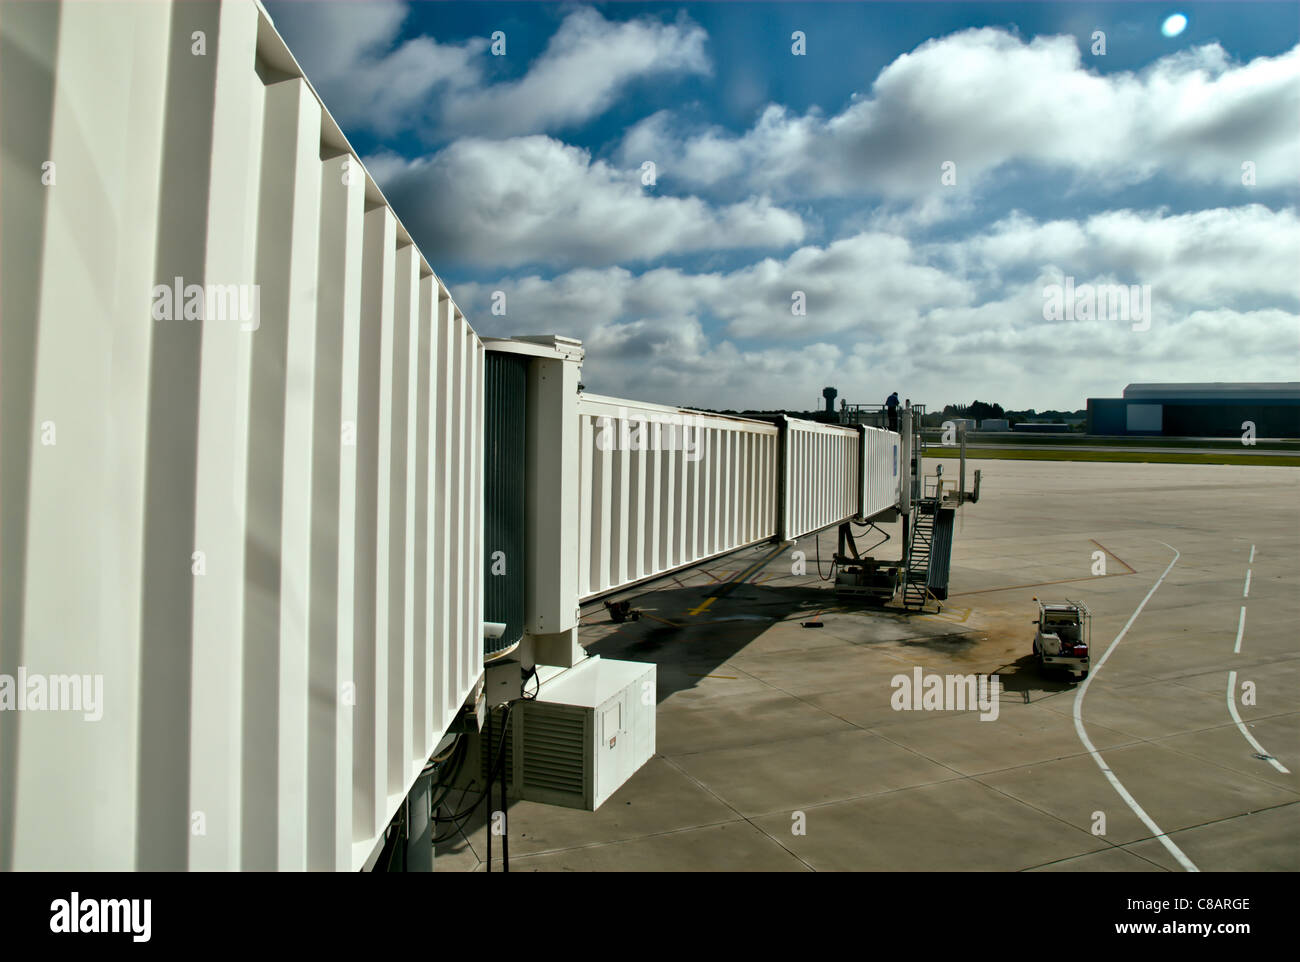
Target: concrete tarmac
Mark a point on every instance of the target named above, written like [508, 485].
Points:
[779, 748]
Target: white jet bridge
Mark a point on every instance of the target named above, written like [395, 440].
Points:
[269, 525]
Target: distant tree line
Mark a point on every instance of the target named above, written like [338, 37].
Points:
[976, 411]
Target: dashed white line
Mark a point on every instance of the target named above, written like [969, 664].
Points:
[1241, 627]
[1252, 554]
[1246, 591]
[1116, 784]
[1232, 709]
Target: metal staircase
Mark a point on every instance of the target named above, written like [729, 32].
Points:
[920, 551]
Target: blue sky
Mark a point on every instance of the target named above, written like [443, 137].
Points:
[918, 180]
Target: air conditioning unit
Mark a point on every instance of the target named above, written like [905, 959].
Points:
[586, 733]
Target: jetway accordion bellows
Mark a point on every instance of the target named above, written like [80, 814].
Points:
[505, 397]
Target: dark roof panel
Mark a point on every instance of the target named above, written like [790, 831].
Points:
[1222, 390]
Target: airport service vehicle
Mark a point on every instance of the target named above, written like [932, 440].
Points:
[1064, 637]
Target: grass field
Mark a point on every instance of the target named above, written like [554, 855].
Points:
[1119, 454]
[1286, 446]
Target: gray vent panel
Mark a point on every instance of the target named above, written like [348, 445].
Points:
[554, 752]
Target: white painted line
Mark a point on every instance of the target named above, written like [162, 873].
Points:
[1232, 708]
[1241, 627]
[1115, 783]
[1246, 592]
[1252, 554]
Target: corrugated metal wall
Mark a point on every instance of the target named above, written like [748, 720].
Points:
[504, 494]
[263, 534]
[882, 471]
[821, 474]
[663, 487]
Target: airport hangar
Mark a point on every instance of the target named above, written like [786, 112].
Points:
[1199, 410]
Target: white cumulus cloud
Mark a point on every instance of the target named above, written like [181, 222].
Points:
[371, 79]
[984, 98]
[537, 200]
[942, 322]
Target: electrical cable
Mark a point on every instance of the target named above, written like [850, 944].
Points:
[462, 752]
[433, 763]
[457, 828]
[460, 830]
[878, 543]
[818, 541]
[505, 827]
[499, 757]
[448, 781]
[396, 829]
[872, 524]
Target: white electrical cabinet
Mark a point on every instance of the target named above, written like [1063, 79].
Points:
[585, 734]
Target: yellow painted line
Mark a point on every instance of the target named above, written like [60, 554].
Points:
[697, 610]
[737, 577]
[760, 564]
